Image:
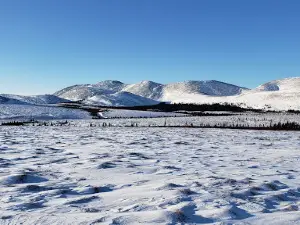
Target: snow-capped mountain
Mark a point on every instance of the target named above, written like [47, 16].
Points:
[149, 90]
[281, 94]
[278, 94]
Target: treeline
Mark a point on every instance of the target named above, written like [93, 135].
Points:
[14, 123]
[190, 107]
[166, 107]
[287, 126]
[35, 123]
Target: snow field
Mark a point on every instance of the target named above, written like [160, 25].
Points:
[91, 175]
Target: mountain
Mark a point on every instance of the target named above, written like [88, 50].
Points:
[150, 90]
[277, 94]
[281, 94]
[85, 91]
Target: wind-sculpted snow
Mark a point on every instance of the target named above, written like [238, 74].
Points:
[93, 175]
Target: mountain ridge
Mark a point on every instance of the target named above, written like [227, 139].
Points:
[281, 94]
[285, 91]
[149, 89]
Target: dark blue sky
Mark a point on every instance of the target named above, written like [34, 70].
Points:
[46, 45]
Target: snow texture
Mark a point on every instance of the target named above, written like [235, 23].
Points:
[90, 175]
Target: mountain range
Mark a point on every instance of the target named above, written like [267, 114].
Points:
[278, 94]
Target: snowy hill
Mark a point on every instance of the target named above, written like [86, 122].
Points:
[37, 107]
[85, 91]
[120, 99]
[211, 87]
[199, 91]
[147, 89]
[7, 100]
[281, 94]
[34, 100]
[286, 85]
[26, 112]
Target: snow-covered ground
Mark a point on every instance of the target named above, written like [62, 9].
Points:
[25, 112]
[91, 175]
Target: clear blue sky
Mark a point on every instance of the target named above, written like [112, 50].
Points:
[46, 45]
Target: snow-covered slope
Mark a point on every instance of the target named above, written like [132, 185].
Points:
[120, 99]
[23, 112]
[199, 91]
[211, 87]
[85, 91]
[6, 100]
[78, 92]
[284, 85]
[147, 89]
[34, 100]
[281, 94]
[111, 85]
